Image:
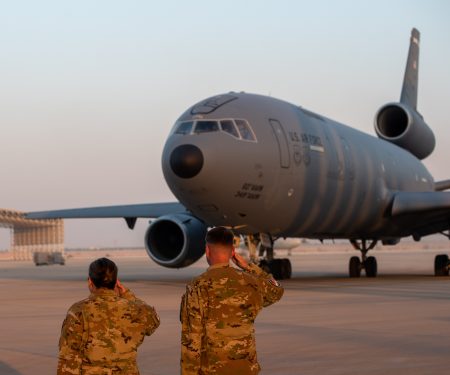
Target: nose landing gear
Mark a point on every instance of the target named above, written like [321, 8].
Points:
[280, 269]
[369, 264]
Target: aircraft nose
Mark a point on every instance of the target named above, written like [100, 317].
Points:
[186, 161]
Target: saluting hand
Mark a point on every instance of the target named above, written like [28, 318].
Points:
[239, 260]
[120, 289]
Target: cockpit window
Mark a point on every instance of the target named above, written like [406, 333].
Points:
[206, 127]
[237, 128]
[228, 127]
[184, 128]
[244, 130]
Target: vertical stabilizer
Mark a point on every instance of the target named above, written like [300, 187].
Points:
[409, 89]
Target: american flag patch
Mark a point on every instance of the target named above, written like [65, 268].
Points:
[274, 282]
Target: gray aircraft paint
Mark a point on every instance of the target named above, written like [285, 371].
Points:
[321, 196]
[304, 175]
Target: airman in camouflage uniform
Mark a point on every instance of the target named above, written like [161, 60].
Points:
[101, 333]
[218, 311]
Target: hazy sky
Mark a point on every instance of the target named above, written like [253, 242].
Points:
[90, 89]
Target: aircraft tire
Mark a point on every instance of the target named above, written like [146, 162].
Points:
[371, 267]
[441, 265]
[264, 265]
[354, 267]
[286, 268]
[279, 268]
[275, 267]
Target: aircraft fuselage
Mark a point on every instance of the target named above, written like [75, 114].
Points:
[301, 175]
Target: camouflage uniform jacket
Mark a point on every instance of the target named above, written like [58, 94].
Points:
[101, 334]
[217, 315]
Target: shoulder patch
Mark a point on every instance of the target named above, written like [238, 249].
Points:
[274, 282]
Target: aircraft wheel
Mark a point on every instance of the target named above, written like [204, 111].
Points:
[354, 267]
[441, 265]
[264, 265]
[286, 268]
[371, 267]
[277, 269]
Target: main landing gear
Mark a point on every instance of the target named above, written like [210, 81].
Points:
[280, 269]
[441, 261]
[369, 264]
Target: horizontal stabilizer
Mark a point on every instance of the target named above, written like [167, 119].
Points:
[149, 210]
[420, 202]
[442, 185]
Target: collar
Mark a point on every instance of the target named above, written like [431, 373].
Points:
[104, 292]
[218, 265]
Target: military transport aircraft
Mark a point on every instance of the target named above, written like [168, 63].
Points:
[269, 169]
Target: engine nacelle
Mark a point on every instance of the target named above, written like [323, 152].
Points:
[403, 126]
[176, 241]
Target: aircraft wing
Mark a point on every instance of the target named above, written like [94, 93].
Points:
[423, 213]
[129, 212]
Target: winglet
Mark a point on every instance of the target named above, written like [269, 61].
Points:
[410, 80]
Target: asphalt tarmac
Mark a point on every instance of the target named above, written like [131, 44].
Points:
[326, 323]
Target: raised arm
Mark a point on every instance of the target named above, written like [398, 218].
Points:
[272, 290]
[149, 316]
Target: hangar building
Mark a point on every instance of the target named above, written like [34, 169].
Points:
[29, 236]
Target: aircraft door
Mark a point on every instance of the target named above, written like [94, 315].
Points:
[283, 145]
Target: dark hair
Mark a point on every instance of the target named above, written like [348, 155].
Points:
[103, 273]
[220, 236]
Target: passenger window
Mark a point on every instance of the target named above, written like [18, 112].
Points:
[228, 127]
[206, 127]
[184, 128]
[244, 130]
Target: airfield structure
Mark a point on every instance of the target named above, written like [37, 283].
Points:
[29, 236]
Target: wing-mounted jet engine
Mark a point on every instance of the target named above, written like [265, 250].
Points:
[176, 241]
[400, 123]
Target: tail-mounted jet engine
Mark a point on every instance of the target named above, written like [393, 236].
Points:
[176, 241]
[399, 124]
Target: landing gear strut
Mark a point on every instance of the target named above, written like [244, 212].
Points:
[279, 268]
[369, 264]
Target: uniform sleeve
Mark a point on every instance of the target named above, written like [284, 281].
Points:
[192, 331]
[271, 289]
[152, 320]
[70, 343]
[151, 317]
